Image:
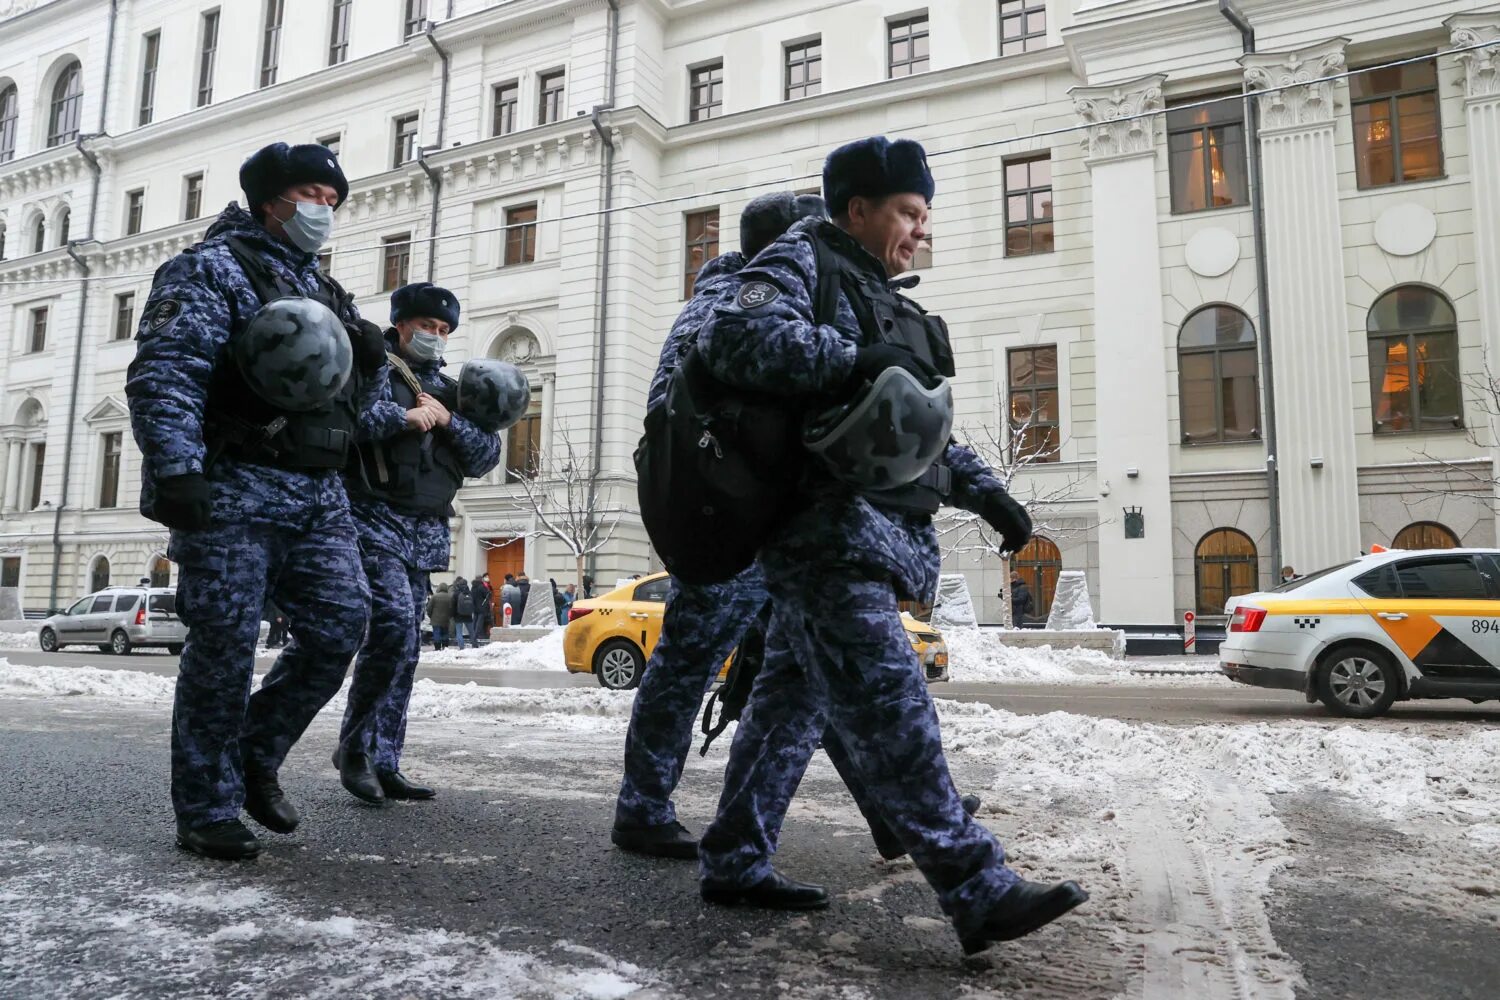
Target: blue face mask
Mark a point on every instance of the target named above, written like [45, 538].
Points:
[310, 226]
[425, 346]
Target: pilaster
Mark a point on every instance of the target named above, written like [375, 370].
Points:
[1305, 276]
[1135, 578]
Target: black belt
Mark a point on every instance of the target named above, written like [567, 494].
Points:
[923, 496]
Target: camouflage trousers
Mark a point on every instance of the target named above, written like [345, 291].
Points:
[837, 655]
[375, 715]
[701, 626]
[219, 729]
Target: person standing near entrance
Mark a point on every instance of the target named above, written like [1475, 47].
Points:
[463, 610]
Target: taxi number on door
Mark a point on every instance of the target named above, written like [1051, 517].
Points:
[1479, 625]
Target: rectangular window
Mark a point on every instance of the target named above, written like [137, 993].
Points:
[406, 140]
[1206, 155]
[10, 112]
[1397, 131]
[270, 43]
[38, 340]
[523, 444]
[192, 196]
[907, 46]
[124, 316]
[1028, 206]
[38, 466]
[150, 53]
[109, 472]
[520, 234]
[1023, 26]
[700, 246]
[135, 207]
[551, 106]
[415, 19]
[208, 53]
[395, 261]
[706, 92]
[1032, 378]
[507, 99]
[338, 33]
[332, 142]
[10, 571]
[804, 69]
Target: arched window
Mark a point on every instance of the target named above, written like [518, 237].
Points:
[10, 110]
[1038, 563]
[522, 454]
[161, 571]
[1218, 377]
[2, 240]
[1225, 565]
[39, 235]
[1414, 377]
[67, 106]
[64, 223]
[99, 574]
[1425, 535]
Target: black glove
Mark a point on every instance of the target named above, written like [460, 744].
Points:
[870, 361]
[369, 346]
[1001, 512]
[183, 502]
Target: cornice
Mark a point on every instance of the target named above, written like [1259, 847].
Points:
[510, 16]
[1117, 30]
[41, 171]
[34, 12]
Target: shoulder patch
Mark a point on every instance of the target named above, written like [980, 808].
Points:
[754, 294]
[163, 313]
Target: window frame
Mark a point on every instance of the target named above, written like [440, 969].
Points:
[545, 90]
[1217, 350]
[1029, 192]
[1041, 453]
[150, 60]
[208, 56]
[790, 58]
[111, 465]
[500, 107]
[395, 250]
[339, 29]
[400, 134]
[37, 329]
[708, 238]
[1392, 100]
[37, 465]
[123, 327]
[65, 117]
[192, 196]
[709, 106]
[1241, 194]
[523, 238]
[892, 39]
[529, 449]
[270, 43]
[135, 211]
[1027, 8]
[1455, 423]
[39, 235]
[413, 18]
[10, 98]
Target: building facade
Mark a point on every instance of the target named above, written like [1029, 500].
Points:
[1185, 398]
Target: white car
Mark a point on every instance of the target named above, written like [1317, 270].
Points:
[1388, 626]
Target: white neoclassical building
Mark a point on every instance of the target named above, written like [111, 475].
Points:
[1229, 343]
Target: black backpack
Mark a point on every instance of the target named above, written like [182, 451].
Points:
[717, 466]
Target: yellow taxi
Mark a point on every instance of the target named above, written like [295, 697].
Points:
[612, 636]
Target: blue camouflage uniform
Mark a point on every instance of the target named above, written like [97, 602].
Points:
[273, 533]
[399, 550]
[837, 650]
[701, 626]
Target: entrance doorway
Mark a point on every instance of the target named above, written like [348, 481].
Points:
[502, 556]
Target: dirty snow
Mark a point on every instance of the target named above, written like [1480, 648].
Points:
[545, 653]
[983, 655]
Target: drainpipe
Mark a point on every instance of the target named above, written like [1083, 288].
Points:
[602, 310]
[1263, 292]
[433, 178]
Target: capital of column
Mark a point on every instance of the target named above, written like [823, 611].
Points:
[1296, 101]
[1481, 66]
[1121, 118]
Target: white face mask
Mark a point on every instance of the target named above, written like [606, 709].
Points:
[425, 346]
[310, 226]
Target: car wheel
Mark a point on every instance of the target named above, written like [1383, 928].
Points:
[619, 665]
[48, 639]
[174, 648]
[1358, 682]
[119, 643]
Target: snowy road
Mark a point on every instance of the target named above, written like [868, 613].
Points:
[1258, 859]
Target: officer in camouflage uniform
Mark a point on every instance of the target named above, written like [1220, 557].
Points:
[837, 652]
[243, 428]
[415, 453]
[704, 623]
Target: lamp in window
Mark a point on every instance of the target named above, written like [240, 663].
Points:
[1379, 131]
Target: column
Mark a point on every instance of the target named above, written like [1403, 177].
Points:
[1482, 115]
[1305, 277]
[1135, 574]
[14, 455]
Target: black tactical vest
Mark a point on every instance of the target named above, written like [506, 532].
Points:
[413, 472]
[886, 315]
[239, 423]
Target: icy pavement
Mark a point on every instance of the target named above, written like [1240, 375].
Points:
[1177, 831]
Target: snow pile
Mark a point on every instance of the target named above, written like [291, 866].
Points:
[1070, 602]
[982, 655]
[19, 640]
[954, 607]
[116, 685]
[551, 708]
[545, 653]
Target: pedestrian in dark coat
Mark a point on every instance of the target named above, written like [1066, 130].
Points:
[463, 611]
[1022, 606]
[523, 588]
[440, 613]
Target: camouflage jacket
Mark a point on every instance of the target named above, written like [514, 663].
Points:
[763, 336]
[715, 276]
[422, 541]
[197, 299]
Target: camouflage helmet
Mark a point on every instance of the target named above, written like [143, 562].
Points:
[493, 394]
[888, 435]
[295, 353]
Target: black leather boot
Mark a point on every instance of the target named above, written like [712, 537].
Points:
[1026, 907]
[267, 804]
[227, 840]
[358, 777]
[668, 840]
[774, 892]
[396, 786]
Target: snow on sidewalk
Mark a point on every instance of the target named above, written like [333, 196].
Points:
[545, 653]
[983, 655]
[19, 640]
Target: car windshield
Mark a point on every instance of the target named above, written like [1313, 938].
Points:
[1303, 581]
[165, 603]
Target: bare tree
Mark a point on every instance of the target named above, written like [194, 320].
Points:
[961, 532]
[567, 502]
[1470, 479]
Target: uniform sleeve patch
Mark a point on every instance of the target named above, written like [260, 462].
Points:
[163, 313]
[754, 294]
